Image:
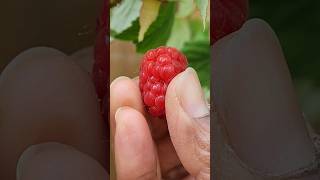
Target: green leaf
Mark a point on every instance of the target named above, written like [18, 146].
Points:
[148, 14]
[160, 30]
[124, 14]
[203, 6]
[130, 34]
[180, 34]
[197, 31]
[185, 8]
[198, 54]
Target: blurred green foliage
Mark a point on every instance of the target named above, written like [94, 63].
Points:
[297, 24]
[178, 24]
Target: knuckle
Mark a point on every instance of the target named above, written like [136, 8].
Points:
[202, 141]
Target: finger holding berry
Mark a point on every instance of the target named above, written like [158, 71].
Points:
[159, 66]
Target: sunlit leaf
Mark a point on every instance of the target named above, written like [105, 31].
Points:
[159, 31]
[180, 33]
[185, 8]
[203, 7]
[124, 14]
[130, 34]
[148, 14]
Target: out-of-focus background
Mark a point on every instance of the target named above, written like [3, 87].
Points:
[124, 60]
[67, 25]
[297, 24]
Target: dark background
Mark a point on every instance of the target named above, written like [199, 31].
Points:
[64, 25]
[297, 24]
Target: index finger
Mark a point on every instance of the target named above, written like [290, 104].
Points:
[123, 92]
[159, 127]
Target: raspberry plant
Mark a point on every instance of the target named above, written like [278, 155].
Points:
[182, 24]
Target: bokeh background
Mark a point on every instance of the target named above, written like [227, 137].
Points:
[297, 24]
[65, 25]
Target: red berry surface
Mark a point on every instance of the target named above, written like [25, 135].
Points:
[227, 16]
[100, 68]
[158, 67]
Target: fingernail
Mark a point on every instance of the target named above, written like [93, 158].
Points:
[191, 94]
[118, 113]
[120, 127]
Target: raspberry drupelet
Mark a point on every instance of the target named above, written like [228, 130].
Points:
[158, 67]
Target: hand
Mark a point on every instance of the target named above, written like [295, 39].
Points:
[50, 123]
[150, 148]
[258, 112]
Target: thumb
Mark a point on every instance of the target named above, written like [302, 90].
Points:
[188, 121]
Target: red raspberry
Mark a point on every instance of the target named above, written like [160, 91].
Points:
[227, 16]
[159, 66]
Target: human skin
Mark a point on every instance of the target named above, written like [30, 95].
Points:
[258, 112]
[152, 148]
[46, 97]
[36, 23]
